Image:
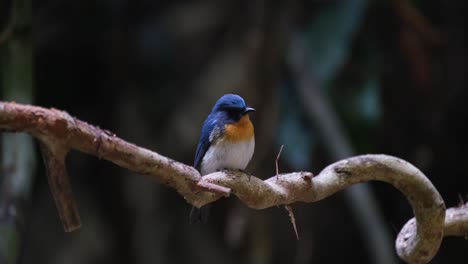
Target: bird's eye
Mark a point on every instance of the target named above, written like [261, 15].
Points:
[234, 112]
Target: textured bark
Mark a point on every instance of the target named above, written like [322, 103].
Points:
[456, 221]
[54, 160]
[418, 241]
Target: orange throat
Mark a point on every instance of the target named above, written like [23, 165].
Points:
[242, 130]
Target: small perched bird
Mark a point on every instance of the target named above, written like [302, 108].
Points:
[227, 141]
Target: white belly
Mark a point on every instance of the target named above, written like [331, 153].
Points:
[226, 155]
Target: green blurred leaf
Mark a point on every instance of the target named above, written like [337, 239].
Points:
[367, 103]
[329, 37]
[329, 40]
[294, 134]
[8, 243]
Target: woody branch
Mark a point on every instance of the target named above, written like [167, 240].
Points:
[59, 132]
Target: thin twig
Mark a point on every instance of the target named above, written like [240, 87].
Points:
[207, 186]
[293, 219]
[276, 163]
[287, 207]
[461, 201]
[54, 160]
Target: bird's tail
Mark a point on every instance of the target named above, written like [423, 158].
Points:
[199, 215]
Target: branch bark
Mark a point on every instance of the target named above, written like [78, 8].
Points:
[54, 160]
[418, 241]
[456, 221]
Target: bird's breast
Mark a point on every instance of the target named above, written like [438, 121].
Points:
[241, 130]
[226, 154]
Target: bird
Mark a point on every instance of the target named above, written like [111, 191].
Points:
[227, 141]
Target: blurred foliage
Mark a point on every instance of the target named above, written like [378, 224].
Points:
[330, 37]
[294, 131]
[9, 243]
[329, 40]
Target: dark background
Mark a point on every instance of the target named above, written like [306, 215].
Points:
[393, 72]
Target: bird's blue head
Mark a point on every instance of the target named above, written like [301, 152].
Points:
[233, 106]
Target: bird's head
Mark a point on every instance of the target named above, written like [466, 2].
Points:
[233, 106]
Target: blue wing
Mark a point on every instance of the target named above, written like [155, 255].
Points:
[204, 141]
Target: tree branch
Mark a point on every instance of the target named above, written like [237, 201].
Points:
[54, 160]
[456, 221]
[456, 224]
[58, 130]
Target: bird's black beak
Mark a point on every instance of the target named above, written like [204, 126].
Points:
[248, 110]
